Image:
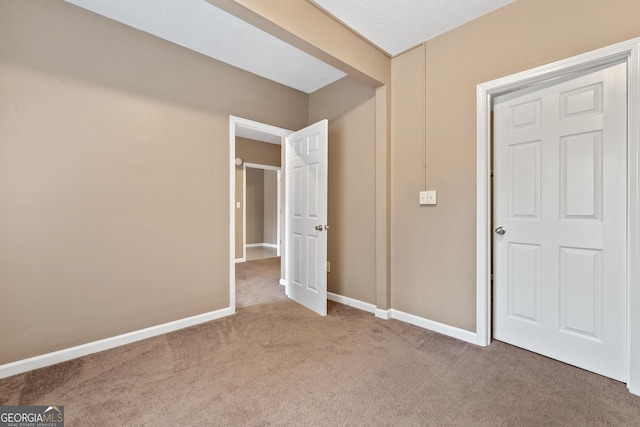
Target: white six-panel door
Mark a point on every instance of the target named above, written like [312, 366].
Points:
[559, 219]
[306, 207]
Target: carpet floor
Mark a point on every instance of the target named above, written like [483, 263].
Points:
[276, 363]
[258, 282]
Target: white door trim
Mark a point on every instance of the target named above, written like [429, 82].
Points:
[234, 124]
[628, 51]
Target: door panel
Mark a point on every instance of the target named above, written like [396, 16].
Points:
[524, 299]
[306, 205]
[560, 194]
[524, 189]
[581, 292]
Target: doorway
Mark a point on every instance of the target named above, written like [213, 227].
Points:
[261, 212]
[260, 133]
[628, 53]
[304, 202]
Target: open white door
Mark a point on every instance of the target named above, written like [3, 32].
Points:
[306, 216]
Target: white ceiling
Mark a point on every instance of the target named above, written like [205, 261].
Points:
[200, 26]
[249, 132]
[395, 26]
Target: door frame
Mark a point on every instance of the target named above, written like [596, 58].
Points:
[629, 51]
[244, 204]
[237, 125]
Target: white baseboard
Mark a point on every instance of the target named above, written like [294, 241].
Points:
[262, 245]
[238, 260]
[383, 314]
[431, 325]
[52, 358]
[283, 282]
[25, 365]
[361, 305]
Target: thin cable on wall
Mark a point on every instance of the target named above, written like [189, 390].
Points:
[424, 116]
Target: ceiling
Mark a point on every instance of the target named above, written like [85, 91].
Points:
[393, 26]
[246, 131]
[200, 26]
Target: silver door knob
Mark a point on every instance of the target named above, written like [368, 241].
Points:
[319, 227]
[500, 231]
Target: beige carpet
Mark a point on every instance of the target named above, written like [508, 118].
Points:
[258, 282]
[276, 363]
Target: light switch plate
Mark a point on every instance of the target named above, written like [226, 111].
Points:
[423, 197]
[431, 197]
[428, 198]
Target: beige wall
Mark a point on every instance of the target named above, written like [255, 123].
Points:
[433, 249]
[114, 176]
[260, 153]
[257, 152]
[350, 108]
[408, 283]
